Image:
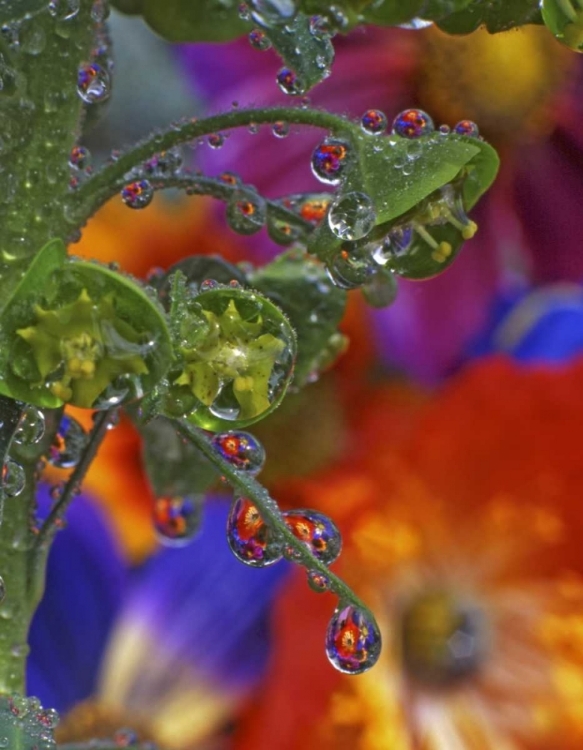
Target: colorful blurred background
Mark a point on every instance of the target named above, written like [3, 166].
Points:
[445, 443]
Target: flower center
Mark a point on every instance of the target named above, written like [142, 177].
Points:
[442, 639]
[506, 82]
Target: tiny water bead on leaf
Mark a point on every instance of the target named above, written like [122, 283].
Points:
[138, 194]
[177, 519]
[79, 158]
[352, 216]
[353, 640]
[24, 724]
[374, 121]
[68, 443]
[238, 352]
[259, 40]
[31, 426]
[318, 582]
[318, 532]
[250, 538]
[330, 159]
[246, 212]
[13, 478]
[289, 82]
[93, 83]
[240, 449]
[413, 123]
[467, 127]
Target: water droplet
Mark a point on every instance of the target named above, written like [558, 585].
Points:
[259, 40]
[64, 10]
[380, 289]
[79, 158]
[246, 212]
[289, 82]
[280, 129]
[329, 160]
[240, 449]
[93, 83]
[317, 532]
[249, 537]
[352, 216]
[216, 140]
[31, 426]
[13, 478]
[353, 640]
[164, 164]
[272, 12]
[125, 738]
[244, 12]
[138, 194]
[177, 519]
[374, 121]
[318, 582]
[2, 592]
[350, 267]
[230, 178]
[320, 26]
[282, 232]
[68, 443]
[467, 127]
[444, 130]
[412, 123]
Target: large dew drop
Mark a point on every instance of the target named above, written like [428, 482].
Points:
[177, 519]
[246, 212]
[240, 449]
[329, 160]
[413, 123]
[68, 443]
[249, 537]
[93, 83]
[374, 121]
[352, 216]
[317, 532]
[353, 640]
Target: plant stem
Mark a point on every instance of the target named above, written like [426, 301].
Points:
[97, 190]
[251, 489]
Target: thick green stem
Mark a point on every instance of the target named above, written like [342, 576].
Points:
[251, 489]
[98, 189]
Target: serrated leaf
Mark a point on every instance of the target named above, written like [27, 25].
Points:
[300, 286]
[496, 15]
[199, 21]
[308, 55]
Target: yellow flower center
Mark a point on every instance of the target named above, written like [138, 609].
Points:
[507, 82]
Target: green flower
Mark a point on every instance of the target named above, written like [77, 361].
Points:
[81, 348]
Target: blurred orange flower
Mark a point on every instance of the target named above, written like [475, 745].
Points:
[462, 523]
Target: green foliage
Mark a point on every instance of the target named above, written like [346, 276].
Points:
[565, 20]
[496, 15]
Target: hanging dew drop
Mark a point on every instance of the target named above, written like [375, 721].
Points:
[280, 129]
[250, 538]
[329, 160]
[93, 83]
[353, 640]
[137, 194]
[318, 582]
[467, 127]
[317, 532]
[380, 290]
[259, 40]
[79, 158]
[216, 140]
[13, 478]
[352, 216]
[374, 122]
[68, 443]
[350, 268]
[31, 427]
[289, 82]
[246, 212]
[412, 123]
[241, 449]
[177, 519]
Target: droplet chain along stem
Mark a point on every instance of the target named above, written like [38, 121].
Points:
[254, 491]
[97, 189]
[59, 509]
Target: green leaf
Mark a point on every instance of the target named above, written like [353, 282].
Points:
[496, 15]
[564, 18]
[392, 12]
[436, 9]
[130, 7]
[15, 10]
[300, 286]
[195, 21]
[308, 55]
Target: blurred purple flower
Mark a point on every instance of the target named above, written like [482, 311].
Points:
[522, 89]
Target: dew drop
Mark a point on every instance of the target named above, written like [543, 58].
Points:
[246, 212]
[467, 127]
[318, 532]
[444, 130]
[244, 12]
[318, 582]
[289, 82]
[374, 121]
[68, 443]
[329, 160]
[2, 592]
[13, 478]
[79, 158]
[164, 164]
[280, 129]
[230, 178]
[125, 738]
[241, 449]
[93, 83]
[350, 268]
[31, 426]
[380, 289]
[216, 140]
[138, 194]
[177, 519]
[353, 640]
[320, 26]
[259, 40]
[352, 216]
[272, 12]
[250, 538]
[64, 10]
[412, 123]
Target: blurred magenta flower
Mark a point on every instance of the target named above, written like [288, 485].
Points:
[522, 89]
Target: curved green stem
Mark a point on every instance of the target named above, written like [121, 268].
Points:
[97, 190]
[251, 489]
